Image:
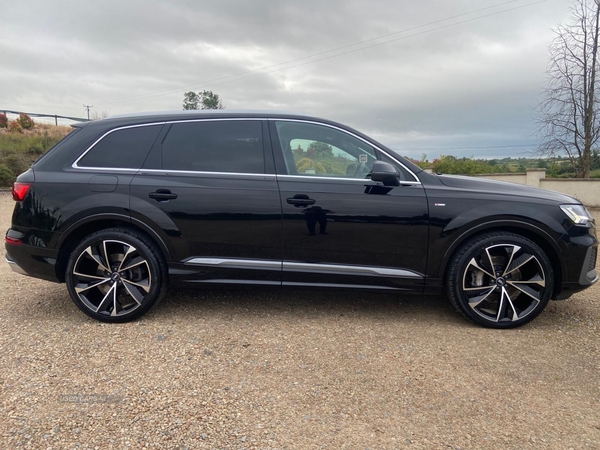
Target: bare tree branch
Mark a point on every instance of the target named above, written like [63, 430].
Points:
[568, 121]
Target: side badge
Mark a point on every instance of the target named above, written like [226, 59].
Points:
[440, 204]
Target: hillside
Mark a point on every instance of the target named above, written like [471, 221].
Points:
[19, 150]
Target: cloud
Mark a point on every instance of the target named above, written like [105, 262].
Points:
[430, 83]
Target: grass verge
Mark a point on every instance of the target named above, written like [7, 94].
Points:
[19, 150]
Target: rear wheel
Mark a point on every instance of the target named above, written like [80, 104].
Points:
[500, 280]
[115, 275]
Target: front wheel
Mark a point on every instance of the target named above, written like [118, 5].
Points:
[500, 280]
[115, 275]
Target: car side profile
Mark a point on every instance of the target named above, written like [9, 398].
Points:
[125, 206]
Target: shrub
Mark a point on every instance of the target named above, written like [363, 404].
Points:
[3, 121]
[16, 163]
[37, 149]
[19, 150]
[15, 127]
[304, 164]
[25, 121]
[7, 178]
[463, 166]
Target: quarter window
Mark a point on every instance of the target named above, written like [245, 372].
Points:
[215, 146]
[122, 149]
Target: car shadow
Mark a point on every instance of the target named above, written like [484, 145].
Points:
[306, 304]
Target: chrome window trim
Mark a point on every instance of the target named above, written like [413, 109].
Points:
[75, 163]
[107, 169]
[165, 122]
[355, 136]
[265, 176]
[361, 180]
[290, 266]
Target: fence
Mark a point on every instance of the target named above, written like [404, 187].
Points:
[45, 118]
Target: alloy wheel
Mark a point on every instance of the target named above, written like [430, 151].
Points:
[504, 283]
[111, 278]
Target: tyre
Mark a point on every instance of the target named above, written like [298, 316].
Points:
[116, 275]
[500, 280]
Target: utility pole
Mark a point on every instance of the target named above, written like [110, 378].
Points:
[88, 109]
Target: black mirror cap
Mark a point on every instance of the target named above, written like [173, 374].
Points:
[386, 173]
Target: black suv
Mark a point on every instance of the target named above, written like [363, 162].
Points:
[124, 206]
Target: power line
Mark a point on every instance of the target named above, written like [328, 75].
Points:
[253, 73]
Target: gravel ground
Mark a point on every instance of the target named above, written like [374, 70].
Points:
[240, 370]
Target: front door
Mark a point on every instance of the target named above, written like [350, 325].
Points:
[339, 227]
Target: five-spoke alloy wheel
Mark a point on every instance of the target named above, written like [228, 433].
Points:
[115, 276]
[500, 280]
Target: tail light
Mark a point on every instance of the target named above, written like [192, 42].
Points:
[19, 191]
[12, 240]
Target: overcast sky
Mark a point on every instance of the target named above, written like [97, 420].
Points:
[457, 77]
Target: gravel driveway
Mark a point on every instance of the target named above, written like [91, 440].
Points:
[306, 370]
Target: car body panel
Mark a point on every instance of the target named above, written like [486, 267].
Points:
[214, 216]
[349, 225]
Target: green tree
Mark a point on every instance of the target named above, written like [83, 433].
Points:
[318, 149]
[595, 160]
[298, 152]
[201, 100]
[190, 100]
[463, 166]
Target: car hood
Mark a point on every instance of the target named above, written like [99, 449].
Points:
[503, 187]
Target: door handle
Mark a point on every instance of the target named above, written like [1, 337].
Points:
[300, 200]
[162, 195]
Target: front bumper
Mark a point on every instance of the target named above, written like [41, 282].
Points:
[587, 276]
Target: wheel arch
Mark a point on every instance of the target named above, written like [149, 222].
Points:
[79, 230]
[536, 234]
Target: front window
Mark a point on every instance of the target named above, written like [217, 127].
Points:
[320, 151]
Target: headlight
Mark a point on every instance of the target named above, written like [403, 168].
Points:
[577, 213]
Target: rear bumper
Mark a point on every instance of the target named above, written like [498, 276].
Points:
[14, 266]
[32, 261]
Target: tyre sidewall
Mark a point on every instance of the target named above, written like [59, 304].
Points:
[474, 247]
[146, 249]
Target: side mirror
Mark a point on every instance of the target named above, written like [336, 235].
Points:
[386, 173]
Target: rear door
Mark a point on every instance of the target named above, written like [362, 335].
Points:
[208, 187]
[339, 227]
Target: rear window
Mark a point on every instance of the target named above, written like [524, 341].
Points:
[121, 149]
